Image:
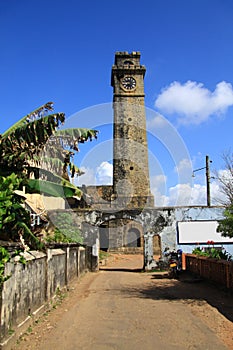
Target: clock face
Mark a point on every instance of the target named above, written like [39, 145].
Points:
[129, 83]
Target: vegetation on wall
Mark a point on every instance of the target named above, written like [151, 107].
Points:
[65, 230]
[4, 258]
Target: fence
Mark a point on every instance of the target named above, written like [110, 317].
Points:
[32, 285]
[219, 271]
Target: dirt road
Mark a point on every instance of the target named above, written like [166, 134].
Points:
[123, 308]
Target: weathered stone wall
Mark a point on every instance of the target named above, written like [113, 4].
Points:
[113, 224]
[24, 292]
[98, 193]
[56, 271]
[72, 263]
[82, 260]
[33, 285]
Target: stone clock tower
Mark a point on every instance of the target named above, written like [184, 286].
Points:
[131, 185]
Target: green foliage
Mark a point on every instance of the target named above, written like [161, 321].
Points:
[22, 152]
[212, 252]
[24, 141]
[4, 258]
[20, 258]
[199, 251]
[103, 255]
[34, 143]
[65, 230]
[14, 219]
[64, 189]
[225, 226]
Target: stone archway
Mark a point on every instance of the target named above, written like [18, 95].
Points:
[132, 238]
[121, 235]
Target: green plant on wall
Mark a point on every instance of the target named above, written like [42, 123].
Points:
[4, 258]
[65, 230]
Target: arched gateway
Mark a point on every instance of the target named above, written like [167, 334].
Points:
[121, 235]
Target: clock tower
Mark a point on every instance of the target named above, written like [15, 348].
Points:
[131, 185]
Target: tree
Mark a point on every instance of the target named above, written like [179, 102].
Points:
[226, 184]
[225, 178]
[25, 150]
[225, 226]
[26, 158]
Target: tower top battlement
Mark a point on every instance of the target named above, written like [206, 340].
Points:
[123, 58]
[126, 53]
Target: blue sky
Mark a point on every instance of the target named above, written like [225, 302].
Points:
[63, 51]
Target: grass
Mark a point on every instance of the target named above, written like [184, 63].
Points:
[103, 255]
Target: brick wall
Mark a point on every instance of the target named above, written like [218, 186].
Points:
[218, 271]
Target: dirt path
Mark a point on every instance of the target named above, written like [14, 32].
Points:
[122, 308]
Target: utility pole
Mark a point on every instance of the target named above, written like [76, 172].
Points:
[208, 181]
[207, 168]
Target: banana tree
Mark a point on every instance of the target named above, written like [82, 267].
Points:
[34, 153]
[35, 145]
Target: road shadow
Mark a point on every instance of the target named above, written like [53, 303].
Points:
[189, 289]
[121, 269]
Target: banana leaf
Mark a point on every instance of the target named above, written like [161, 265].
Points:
[77, 134]
[53, 189]
[36, 113]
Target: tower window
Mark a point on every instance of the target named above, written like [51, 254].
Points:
[128, 63]
[131, 168]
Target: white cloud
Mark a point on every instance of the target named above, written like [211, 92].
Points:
[181, 194]
[158, 180]
[185, 194]
[184, 165]
[159, 199]
[158, 121]
[225, 175]
[158, 187]
[88, 178]
[184, 170]
[104, 173]
[193, 103]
